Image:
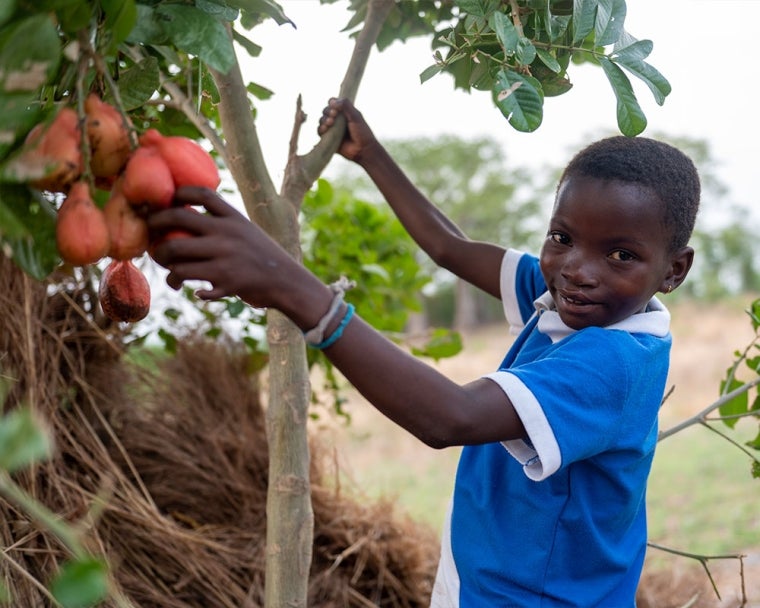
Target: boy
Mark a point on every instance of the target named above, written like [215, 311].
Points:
[549, 500]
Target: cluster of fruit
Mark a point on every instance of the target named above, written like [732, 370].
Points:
[140, 179]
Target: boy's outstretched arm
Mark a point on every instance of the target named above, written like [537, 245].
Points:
[476, 262]
[238, 259]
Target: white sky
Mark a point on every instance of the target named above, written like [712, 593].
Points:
[707, 49]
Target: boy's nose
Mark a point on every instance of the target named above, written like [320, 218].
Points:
[578, 270]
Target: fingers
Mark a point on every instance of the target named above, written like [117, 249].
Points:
[210, 199]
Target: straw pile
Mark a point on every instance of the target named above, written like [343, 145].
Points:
[179, 455]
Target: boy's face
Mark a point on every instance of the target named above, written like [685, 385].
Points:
[606, 252]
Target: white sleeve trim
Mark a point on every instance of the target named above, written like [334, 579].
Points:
[507, 286]
[541, 457]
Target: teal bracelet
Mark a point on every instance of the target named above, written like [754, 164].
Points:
[333, 337]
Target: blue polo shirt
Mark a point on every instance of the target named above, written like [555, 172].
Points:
[559, 519]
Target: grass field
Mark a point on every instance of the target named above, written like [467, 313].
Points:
[702, 497]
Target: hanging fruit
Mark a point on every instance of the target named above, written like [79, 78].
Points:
[124, 292]
[81, 231]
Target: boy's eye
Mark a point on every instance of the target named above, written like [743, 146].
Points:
[559, 237]
[622, 256]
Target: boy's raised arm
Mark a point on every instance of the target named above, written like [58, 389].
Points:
[239, 259]
[474, 261]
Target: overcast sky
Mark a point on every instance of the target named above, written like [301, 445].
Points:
[707, 49]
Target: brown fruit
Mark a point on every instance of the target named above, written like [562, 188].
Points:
[53, 157]
[108, 135]
[81, 233]
[128, 231]
[147, 179]
[124, 292]
[188, 162]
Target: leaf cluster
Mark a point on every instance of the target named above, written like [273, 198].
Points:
[520, 51]
[744, 405]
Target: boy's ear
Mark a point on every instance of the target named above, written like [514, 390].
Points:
[680, 264]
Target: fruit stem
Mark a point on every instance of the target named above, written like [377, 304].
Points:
[84, 139]
[102, 70]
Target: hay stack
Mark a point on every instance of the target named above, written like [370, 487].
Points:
[179, 452]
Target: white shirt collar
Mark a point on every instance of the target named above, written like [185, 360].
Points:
[654, 320]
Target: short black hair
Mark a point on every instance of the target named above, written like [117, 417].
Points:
[652, 164]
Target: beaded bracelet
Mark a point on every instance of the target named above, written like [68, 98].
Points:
[315, 336]
[333, 337]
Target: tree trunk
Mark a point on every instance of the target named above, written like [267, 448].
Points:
[465, 306]
[289, 513]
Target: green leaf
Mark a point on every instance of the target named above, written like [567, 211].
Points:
[610, 19]
[259, 91]
[656, 82]
[548, 60]
[253, 49]
[148, 29]
[630, 118]
[16, 119]
[138, 83]
[737, 405]
[429, 72]
[30, 55]
[756, 469]
[754, 443]
[584, 19]
[268, 8]
[636, 51]
[23, 440]
[235, 307]
[477, 8]
[218, 9]
[199, 34]
[754, 314]
[520, 99]
[27, 229]
[506, 32]
[81, 583]
[120, 18]
[74, 16]
[7, 8]
[443, 343]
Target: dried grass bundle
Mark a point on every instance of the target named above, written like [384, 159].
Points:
[175, 455]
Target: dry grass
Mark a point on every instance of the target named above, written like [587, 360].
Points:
[179, 453]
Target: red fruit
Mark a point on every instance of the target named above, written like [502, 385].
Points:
[109, 137]
[189, 163]
[53, 158]
[124, 292]
[81, 233]
[128, 231]
[147, 179]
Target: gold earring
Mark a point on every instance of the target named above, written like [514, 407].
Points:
[670, 288]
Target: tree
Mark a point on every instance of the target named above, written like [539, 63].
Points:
[173, 65]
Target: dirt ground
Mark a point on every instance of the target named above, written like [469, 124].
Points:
[705, 338]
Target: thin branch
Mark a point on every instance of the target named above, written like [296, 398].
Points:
[703, 559]
[729, 439]
[316, 160]
[700, 416]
